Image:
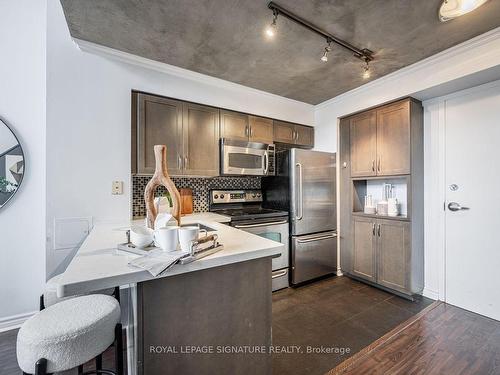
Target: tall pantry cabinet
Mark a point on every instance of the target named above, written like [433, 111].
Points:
[377, 147]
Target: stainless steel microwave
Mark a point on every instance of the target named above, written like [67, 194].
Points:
[246, 158]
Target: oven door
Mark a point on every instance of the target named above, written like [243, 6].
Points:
[273, 229]
[244, 158]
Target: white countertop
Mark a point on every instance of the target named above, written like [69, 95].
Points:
[98, 264]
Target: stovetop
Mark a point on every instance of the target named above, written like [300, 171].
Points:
[241, 205]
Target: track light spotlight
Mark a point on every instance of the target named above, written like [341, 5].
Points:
[272, 28]
[366, 70]
[327, 50]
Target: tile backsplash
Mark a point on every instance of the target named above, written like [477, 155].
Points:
[200, 186]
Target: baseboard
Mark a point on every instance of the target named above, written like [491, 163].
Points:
[15, 321]
[430, 294]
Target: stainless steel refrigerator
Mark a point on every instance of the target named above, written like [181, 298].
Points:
[305, 186]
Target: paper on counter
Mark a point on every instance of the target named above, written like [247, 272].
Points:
[157, 261]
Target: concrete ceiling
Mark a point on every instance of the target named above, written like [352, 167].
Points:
[224, 38]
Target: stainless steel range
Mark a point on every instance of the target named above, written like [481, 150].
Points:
[246, 213]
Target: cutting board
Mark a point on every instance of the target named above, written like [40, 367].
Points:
[186, 201]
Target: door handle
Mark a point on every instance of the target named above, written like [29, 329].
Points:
[300, 207]
[454, 206]
[317, 238]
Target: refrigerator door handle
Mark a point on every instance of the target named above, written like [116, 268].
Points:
[333, 235]
[300, 201]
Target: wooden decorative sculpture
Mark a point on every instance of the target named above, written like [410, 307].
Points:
[161, 178]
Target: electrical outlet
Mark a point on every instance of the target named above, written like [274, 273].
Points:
[117, 188]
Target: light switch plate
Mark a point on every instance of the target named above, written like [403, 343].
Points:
[117, 188]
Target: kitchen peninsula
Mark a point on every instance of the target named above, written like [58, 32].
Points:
[223, 300]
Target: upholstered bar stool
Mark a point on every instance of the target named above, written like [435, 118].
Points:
[70, 333]
[49, 296]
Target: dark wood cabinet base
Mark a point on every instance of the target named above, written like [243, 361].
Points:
[214, 321]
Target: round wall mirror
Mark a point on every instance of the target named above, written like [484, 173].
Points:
[11, 164]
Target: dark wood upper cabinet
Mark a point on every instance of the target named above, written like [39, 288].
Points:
[304, 136]
[261, 129]
[293, 134]
[159, 121]
[200, 126]
[393, 139]
[363, 130]
[234, 125]
[284, 132]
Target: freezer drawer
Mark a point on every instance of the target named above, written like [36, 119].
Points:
[313, 256]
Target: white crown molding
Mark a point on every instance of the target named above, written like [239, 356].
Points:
[14, 321]
[143, 62]
[447, 56]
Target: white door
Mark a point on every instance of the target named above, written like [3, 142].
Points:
[472, 162]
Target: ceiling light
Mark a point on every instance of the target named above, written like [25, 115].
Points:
[366, 70]
[328, 48]
[272, 28]
[455, 8]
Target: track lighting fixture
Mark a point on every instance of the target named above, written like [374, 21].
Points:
[272, 28]
[366, 70]
[327, 50]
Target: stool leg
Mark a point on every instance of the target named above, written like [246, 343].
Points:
[119, 349]
[98, 362]
[41, 367]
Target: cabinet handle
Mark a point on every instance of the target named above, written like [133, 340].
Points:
[251, 131]
[379, 230]
[379, 164]
[373, 229]
[296, 135]
[373, 165]
[185, 162]
[179, 162]
[246, 131]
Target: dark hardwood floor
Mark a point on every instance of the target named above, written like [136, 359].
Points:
[443, 340]
[335, 312]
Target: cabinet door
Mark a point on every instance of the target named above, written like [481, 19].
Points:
[363, 129]
[284, 132]
[159, 123]
[261, 129]
[393, 254]
[304, 136]
[363, 247]
[201, 140]
[393, 139]
[234, 125]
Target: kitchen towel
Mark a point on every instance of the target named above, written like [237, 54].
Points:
[158, 261]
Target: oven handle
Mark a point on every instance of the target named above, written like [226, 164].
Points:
[261, 224]
[279, 274]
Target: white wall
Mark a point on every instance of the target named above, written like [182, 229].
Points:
[22, 106]
[451, 68]
[88, 123]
